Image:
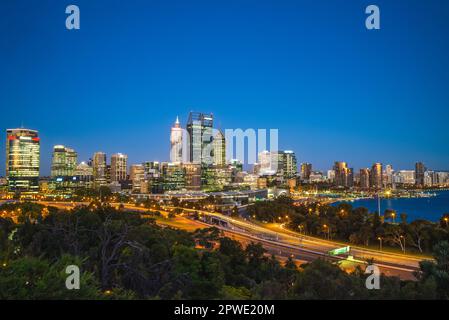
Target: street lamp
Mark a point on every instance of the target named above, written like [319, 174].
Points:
[446, 219]
[380, 242]
[393, 215]
[327, 228]
[400, 239]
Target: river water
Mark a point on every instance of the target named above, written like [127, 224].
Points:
[416, 208]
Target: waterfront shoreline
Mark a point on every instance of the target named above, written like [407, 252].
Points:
[426, 208]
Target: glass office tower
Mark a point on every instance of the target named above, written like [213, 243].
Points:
[64, 161]
[199, 129]
[22, 160]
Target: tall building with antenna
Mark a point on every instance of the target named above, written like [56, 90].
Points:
[176, 142]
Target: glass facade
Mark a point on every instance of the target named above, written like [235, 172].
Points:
[22, 160]
[176, 142]
[199, 128]
[219, 149]
[119, 167]
[99, 169]
[64, 161]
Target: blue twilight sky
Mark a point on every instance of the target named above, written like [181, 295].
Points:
[335, 90]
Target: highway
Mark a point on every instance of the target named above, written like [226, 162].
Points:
[279, 241]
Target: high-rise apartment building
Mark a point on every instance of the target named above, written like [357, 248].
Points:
[22, 160]
[430, 178]
[281, 164]
[64, 161]
[137, 175]
[344, 176]
[84, 174]
[376, 178]
[404, 177]
[419, 173]
[289, 164]
[99, 169]
[365, 178]
[119, 167]
[306, 170]
[388, 174]
[264, 161]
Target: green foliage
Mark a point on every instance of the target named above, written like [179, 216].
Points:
[33, 278]
[322, 280]
[354, 225]
[123, 255]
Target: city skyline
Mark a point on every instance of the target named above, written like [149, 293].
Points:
[224, 156]
[178, 125]
[329, 86]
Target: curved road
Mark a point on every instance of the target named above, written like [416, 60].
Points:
[282, 242]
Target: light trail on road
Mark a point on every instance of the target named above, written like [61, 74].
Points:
[285, 242]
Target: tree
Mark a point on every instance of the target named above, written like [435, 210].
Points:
[30, 278]
[395, 234]
[235, 293]
[207, 235]
[6, 247]
[418, 232]
[323, 280]
[403, 218]
[390, 214]
[290, 264]
[437, 272]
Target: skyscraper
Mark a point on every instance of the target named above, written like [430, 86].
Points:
[331, 175]
[404, 177]
[22, 160]
[64, 161]
[419, 173]
[376, 176]
[99, 169]
[199, 129]
[388, 177]
[344, 176]
[289, 165]
[192, 176]
[119, 167]
[364, 178]
[174, 177]
[264, 160]
[219, 149]
[306, 170]
[84, 174]
[137, 176]
[176, 142]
